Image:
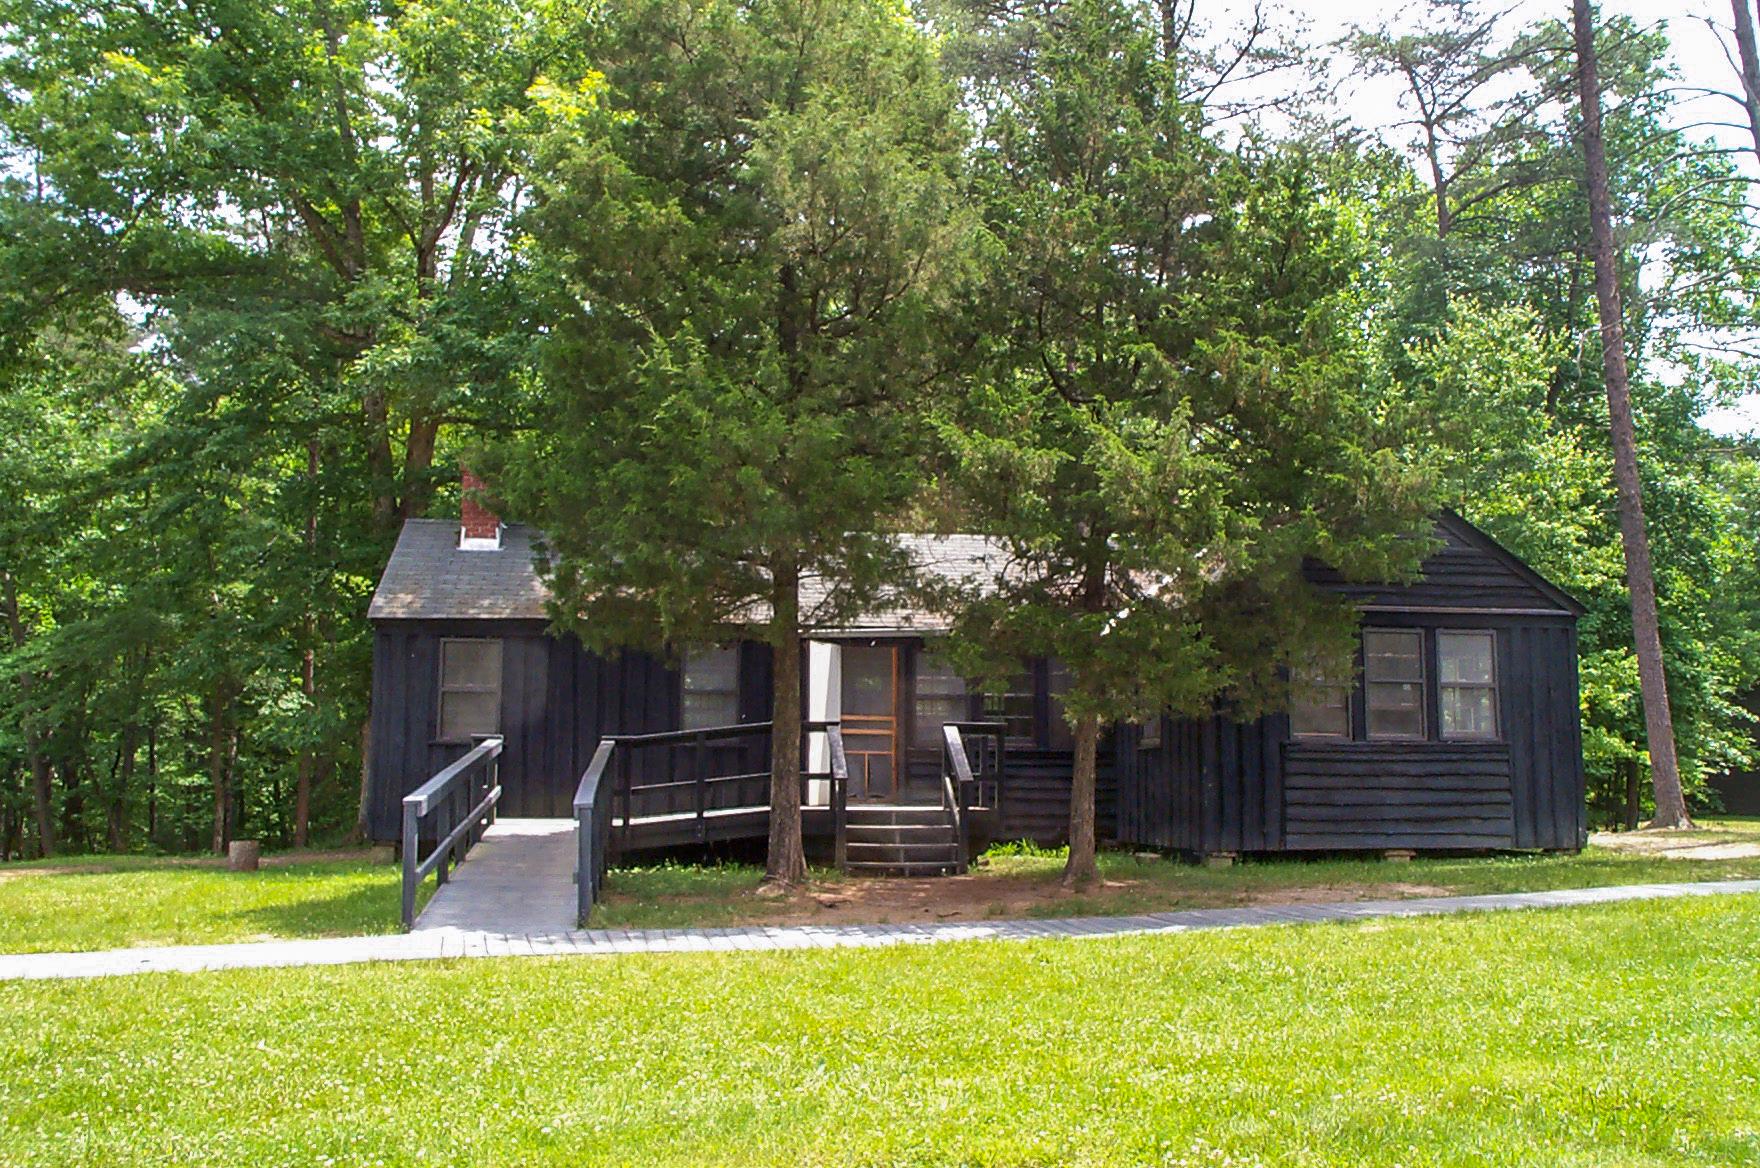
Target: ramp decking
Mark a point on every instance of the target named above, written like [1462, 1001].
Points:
[518, 879]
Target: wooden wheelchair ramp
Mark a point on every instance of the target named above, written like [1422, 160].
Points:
[519, 878]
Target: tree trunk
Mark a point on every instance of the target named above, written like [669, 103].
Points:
[418, 457]
[1081, 869]
[217, 763]
[42, 780]
[118, 820]
[153, 781]
[308, 665]
[1671, 807]
[1634, 804]
[361, 818]
[787, 862]
[1750, 66]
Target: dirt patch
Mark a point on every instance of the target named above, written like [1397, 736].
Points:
[982, 896]
[1670, 844]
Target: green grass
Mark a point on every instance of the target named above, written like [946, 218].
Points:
[116, 901]
[1619, 1035]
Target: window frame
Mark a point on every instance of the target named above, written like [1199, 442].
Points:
[1347, 687]
[1494, 686]
[443, 688]
[1422, 681]
[685, 689]
[1021, 686]
[926, 734]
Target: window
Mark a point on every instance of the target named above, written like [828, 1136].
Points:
[941, 698]
[1320, 705]
[1058, 734]
[1393, 682]
[1012, 705]
[710, 687]
[1466, 667]
[470, 688]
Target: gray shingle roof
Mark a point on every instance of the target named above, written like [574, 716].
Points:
[429, 577]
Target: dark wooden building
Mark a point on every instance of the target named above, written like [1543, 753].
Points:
[1460, 730]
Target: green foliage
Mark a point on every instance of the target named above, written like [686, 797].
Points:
[1493, 347]
[753, 241]
[1174, 405]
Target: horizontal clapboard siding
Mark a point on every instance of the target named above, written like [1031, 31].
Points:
[1397, 795]
[1466, 571]
[1035, 801]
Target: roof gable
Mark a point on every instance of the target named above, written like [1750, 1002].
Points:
[1469, 571]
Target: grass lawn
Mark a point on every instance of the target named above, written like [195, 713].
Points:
[1618, 1035]
[113, 901]
[1013, 884]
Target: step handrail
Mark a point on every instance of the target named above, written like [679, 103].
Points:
[474, 776]
[592, 829]
[956, 783]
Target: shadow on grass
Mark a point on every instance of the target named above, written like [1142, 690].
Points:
[365, 908]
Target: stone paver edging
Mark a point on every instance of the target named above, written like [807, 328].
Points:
[432, 943]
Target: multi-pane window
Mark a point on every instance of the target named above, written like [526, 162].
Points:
[710, 687]
[1320, 705]
[1012, 705]
[1059, 735]
[470, 688]
[1466, 669]
[941, 698]
[1393, 682]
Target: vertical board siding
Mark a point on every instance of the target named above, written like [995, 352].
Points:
[557, 700]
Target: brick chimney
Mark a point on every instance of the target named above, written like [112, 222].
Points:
[479, 528]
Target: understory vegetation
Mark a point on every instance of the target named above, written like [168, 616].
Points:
[1504, 1039]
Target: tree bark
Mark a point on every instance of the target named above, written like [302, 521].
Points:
[308, 665]
[218, 767]
[118, 801]
[1750, 66]
[42, 779]
[361, 818]
[786, 863]
[1671, 807]
[1081, 869]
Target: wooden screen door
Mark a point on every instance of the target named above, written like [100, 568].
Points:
[870, 719]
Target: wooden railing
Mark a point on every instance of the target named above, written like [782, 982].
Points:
[973, 771]
[956, 786]
[461, 801]
[592, 830]
[985, 745]
[612, 796]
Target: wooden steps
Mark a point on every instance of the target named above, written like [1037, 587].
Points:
[887, 839]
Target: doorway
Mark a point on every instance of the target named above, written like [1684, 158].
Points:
[870, 719]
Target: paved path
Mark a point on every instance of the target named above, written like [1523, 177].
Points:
[428, 943]
[518, 880]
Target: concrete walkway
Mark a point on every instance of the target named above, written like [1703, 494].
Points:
[519, 880]
[447, 941]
